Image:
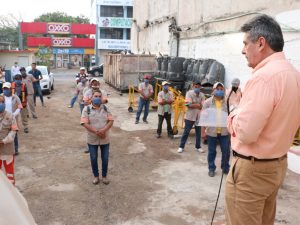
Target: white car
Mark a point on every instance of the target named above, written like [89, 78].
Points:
[47, 83]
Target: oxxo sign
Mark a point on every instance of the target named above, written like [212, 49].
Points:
[62, 42]
[59, 28]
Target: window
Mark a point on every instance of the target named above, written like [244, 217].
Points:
[111, 33]
[129, 12]
[111, 11]
[128, 33]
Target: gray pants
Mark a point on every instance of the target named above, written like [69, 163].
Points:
[30, 105]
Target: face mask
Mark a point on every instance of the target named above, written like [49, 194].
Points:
[96, 101]
[166, 88]
[83, 81]
[146, 81]
[18, 82]
[197, 90]
[7, 92]
[219, 93]
[2, 107]
[234, 89]
[95, 87]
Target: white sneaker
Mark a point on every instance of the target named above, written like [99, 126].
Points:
[180, 150]
[201, 150]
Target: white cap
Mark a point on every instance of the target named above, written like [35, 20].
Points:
[82, 68]
[217, 84]
[94, 79]
[7, 85]
[164, 83]
[235, 82]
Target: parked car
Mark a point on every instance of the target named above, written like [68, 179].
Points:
[96, 71]
[47, 83]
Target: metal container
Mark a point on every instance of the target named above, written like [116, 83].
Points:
[122, 71]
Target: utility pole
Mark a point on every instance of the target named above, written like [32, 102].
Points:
[20, 37]
[97, 35]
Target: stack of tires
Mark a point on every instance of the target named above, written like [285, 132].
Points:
[175, 74]
[181, 72]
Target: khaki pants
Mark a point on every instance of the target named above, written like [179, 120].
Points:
[24, 117]
[251, 191]
[30, 104]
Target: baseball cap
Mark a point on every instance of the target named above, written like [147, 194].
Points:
[82, 68]
[147, 76]
[164, 83]
[197, 82]
[94, 79]
[235, 82]
[218, 84]
[7, 85]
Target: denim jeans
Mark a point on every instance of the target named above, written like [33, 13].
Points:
[38, 92]
[94, 158]
[212, 152]
[188, 125]
[167, 117]
[16, 143]
[81, 106]
[73, 100]
[142, 103]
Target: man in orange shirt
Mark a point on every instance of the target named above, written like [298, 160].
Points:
[262, 127]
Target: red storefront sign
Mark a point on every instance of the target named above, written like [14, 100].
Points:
[58, 28]
[62, 42]
[47, 41]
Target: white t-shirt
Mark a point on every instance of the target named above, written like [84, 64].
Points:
[15, 70]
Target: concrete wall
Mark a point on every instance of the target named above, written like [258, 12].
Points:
[23, 58]
[209, 29]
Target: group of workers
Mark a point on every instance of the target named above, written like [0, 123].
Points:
[195, 102]
[16, 101]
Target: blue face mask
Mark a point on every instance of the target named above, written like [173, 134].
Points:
[166, 87]
[2, 107]
[146, 81]
[197, 90]
[18, 82]
[219, 93]
[96, 101]
[7, 92]
[83, 80]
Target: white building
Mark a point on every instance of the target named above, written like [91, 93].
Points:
[114, 20]
[210, 29]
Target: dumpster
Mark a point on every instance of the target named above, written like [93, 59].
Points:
[122, 71]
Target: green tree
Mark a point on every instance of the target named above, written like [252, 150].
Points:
[61, 17]
[8, 31]
[43, 54]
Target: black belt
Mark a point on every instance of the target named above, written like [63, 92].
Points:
[256, 159]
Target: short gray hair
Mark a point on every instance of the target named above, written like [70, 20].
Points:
[265, 26]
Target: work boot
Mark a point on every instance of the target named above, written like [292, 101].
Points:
[211, 173]
[34, 117]
[96, 181]
[158, 135]
[105, 180]
[136, 122]
[26, 130]
[145, 121]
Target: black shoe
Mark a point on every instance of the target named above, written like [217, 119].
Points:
[225, 172]
[86, 151]
[136, 122]
[26, 130]
[171, 136]
[16, 153]
[205, 142]
[211, 173]
[145, 121]
[34, 117]
[158, 136]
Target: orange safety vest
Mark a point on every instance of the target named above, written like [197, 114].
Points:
[23, 99]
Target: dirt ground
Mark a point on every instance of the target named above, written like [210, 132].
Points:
[151, 184]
